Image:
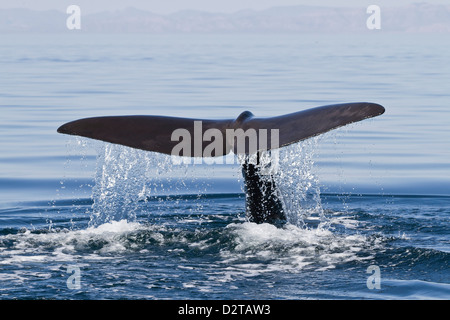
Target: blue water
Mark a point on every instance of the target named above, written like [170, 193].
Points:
[134, 225]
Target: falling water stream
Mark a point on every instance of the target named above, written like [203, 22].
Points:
[127, 177]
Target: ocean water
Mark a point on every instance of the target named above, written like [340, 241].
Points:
[368, 204]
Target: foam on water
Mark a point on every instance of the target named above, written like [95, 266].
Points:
[294, 249]
[64, 245]
[264, 245]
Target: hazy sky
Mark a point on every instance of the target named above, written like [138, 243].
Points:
[169, 6]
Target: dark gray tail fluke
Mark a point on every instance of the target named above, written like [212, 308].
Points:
[162, 134]
[212, 138]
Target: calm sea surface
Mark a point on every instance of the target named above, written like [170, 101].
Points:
[369, 204]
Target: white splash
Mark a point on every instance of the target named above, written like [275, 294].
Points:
[298, 184]
[68, 245]
[293, 249]
[119, 183]
[126, 178]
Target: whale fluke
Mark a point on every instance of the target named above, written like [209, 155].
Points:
[155, 133]
[243, 135]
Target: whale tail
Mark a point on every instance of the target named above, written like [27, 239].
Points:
[245, 135]
[163, 134]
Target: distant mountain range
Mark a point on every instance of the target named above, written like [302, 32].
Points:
[414, 18]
